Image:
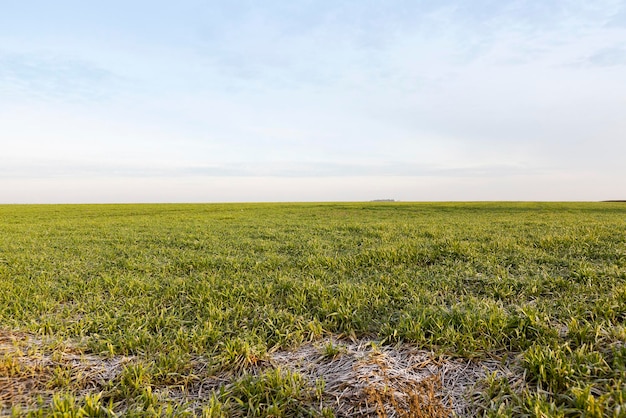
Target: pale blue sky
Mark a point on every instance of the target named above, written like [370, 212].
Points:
[140, 101]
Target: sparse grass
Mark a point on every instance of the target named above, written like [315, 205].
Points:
[194, 292]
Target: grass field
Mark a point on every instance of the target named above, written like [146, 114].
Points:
[270, 309]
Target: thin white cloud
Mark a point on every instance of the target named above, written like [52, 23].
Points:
[52, 77]
[68, 169]
[608, 57]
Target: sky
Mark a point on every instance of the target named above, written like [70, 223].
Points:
[302, 100]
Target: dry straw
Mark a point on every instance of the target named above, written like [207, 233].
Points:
[29, 370]
[392, 381]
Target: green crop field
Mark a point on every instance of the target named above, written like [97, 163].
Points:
[381, 308]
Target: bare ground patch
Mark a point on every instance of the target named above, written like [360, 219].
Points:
[363, 378]
[30, 371]
[360, 377]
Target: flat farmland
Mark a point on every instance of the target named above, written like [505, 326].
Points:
[305, 309]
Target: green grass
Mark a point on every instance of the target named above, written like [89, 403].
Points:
[230, 283]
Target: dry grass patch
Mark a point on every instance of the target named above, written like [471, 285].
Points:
[366, 379]
[347, 377]
[412, 400]
[31, 372]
